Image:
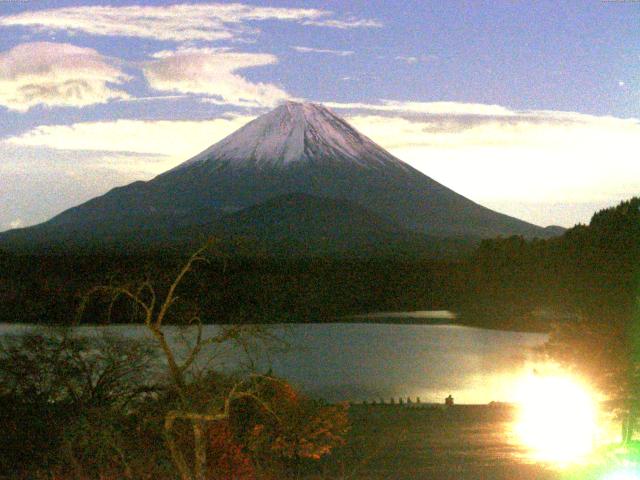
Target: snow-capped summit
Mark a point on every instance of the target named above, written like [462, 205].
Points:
[296, 132]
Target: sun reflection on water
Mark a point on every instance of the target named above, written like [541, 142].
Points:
[557, 418]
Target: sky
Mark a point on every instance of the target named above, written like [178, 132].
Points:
[531, 108]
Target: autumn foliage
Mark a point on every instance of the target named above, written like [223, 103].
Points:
[259, 442]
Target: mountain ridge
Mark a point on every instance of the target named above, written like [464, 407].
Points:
[295, 148]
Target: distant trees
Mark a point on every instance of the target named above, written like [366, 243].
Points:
[44, 288]
[501, 283]
[590, 271]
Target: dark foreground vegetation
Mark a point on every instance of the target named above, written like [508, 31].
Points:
[79, 408]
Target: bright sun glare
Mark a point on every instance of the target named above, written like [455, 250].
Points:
[557, 420]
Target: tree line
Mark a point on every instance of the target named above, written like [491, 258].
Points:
[233, 288]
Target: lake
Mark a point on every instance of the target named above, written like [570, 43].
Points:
[367, 362]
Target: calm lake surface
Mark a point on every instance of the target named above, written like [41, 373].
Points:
[366, 362]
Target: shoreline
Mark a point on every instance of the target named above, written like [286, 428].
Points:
[335, 321]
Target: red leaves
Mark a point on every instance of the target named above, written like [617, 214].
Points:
[304, 428]
[228, 459]
[294, 428]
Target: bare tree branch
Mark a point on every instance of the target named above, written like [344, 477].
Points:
[170, 298]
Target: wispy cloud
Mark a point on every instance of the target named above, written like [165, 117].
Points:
[411, 59]
[345, 24]
[56, 74]
[407, 59]
[340, 53]
[213, 72]
[155, 98]
[434, 108]
[179, 23]
[173, 139]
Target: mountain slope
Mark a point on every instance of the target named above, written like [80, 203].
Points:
[301, 224]
[290, 225]
[297, 147]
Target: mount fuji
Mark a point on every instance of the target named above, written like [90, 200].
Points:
[300, 156]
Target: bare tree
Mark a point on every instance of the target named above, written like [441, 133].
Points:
[58, 365]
